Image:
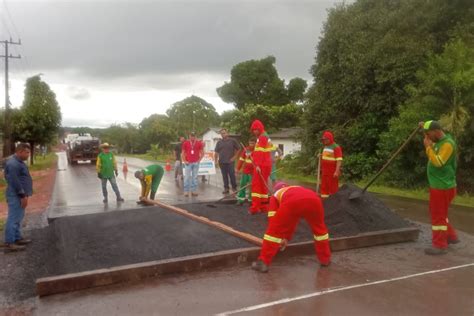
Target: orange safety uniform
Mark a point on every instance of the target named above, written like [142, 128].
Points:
[287, 206]
[332, 153]
[261, 157]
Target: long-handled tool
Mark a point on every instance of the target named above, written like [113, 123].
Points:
[318, 179]
[358, 194]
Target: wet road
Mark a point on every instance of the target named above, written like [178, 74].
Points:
[78, 190]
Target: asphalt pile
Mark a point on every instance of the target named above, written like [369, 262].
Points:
[343, 217]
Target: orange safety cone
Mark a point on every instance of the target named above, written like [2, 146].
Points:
[168, 165]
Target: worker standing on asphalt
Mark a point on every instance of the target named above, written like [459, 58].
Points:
[331, 161]
[287, 206]
[441, 151]
[19, 189]
[262, 167]
[226, 152]
[245, 165]
[107, 171]
[150, 178]
[191, 155]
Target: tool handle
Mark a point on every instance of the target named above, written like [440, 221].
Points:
[392, 158]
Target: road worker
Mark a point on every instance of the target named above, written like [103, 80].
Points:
[441, 151]
[262, 162]
[331, 161]
[288, 205]
[150, 178]
[245, 166]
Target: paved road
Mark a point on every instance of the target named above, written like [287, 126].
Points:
[78, 190]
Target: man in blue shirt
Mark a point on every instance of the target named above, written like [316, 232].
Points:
[19, 188]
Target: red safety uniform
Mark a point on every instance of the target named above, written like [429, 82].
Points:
[287, 206]
[245, 162]
[261, 157]
[332, 153]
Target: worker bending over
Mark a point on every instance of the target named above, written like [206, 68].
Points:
[287, 206]
[150, 178]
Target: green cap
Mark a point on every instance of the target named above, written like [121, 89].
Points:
[431, 125]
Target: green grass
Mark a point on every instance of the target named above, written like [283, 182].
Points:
[418, 194]
[161, 158]
[43, 163]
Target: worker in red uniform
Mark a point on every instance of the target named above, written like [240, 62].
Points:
[262, 161]
[331, 161]
[246, 166]
[287, 205]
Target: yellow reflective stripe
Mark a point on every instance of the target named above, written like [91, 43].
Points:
[248, 161]
[340, 158]
[263, 149]
[272, 239]
[242, 159]
[324, 195]
[329, 158]
[271, 213]
[262, 196]
[438, 157]
[321, 237]
[440, 227]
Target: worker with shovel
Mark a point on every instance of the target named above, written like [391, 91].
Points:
[150, 178]
[245, 165]
[287, 206]
[262, 162]
[331, 161]
[441, 151]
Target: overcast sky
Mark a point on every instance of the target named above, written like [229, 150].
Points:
[120, 61]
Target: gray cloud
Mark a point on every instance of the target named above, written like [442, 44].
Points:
[160, 43]
[78, 93]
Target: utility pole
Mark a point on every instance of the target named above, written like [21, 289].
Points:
[7, 127]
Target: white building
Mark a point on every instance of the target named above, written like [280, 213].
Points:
[286, 140]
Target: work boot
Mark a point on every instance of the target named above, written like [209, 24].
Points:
[186, 194]
[260, 266]
[325, 265]
[453, 241]
[239, 203]
[23, 241]
[435, 251]
[226, 191]
[120, 199]
[194, 194]
[13, 248]
[105, 201]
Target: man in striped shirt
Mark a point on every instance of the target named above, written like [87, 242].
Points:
[331, 161]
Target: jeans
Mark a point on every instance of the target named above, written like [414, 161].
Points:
[191, 177]
[113, 182]
[15, 215]
[227, 170]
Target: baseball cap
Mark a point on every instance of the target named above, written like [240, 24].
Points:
[431, 126]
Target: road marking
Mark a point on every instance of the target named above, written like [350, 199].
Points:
[338, 289]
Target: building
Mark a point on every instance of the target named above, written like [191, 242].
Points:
[211, 136]
[286, 139]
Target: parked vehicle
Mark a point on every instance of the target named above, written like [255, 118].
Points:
[82, 147]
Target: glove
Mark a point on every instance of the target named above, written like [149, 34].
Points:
[98, 175]
[116, 173]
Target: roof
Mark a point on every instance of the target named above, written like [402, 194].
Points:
[289, 133]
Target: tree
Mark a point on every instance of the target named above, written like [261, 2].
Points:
[445, 91]
[257, 82]
[273, 117]
[369, 52]
[40, 116]
[192, 114]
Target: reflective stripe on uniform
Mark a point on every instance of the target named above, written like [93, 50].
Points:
[258, 148]
[242, 159]
[321, 237]
[439, 227]
[328, 158]
[339, 158]
[271, 213]
[324, 195]
[262, 196]
[272, 239]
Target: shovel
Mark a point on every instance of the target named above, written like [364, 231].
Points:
[358, 194]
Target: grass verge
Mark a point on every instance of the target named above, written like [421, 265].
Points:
[44, 163]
